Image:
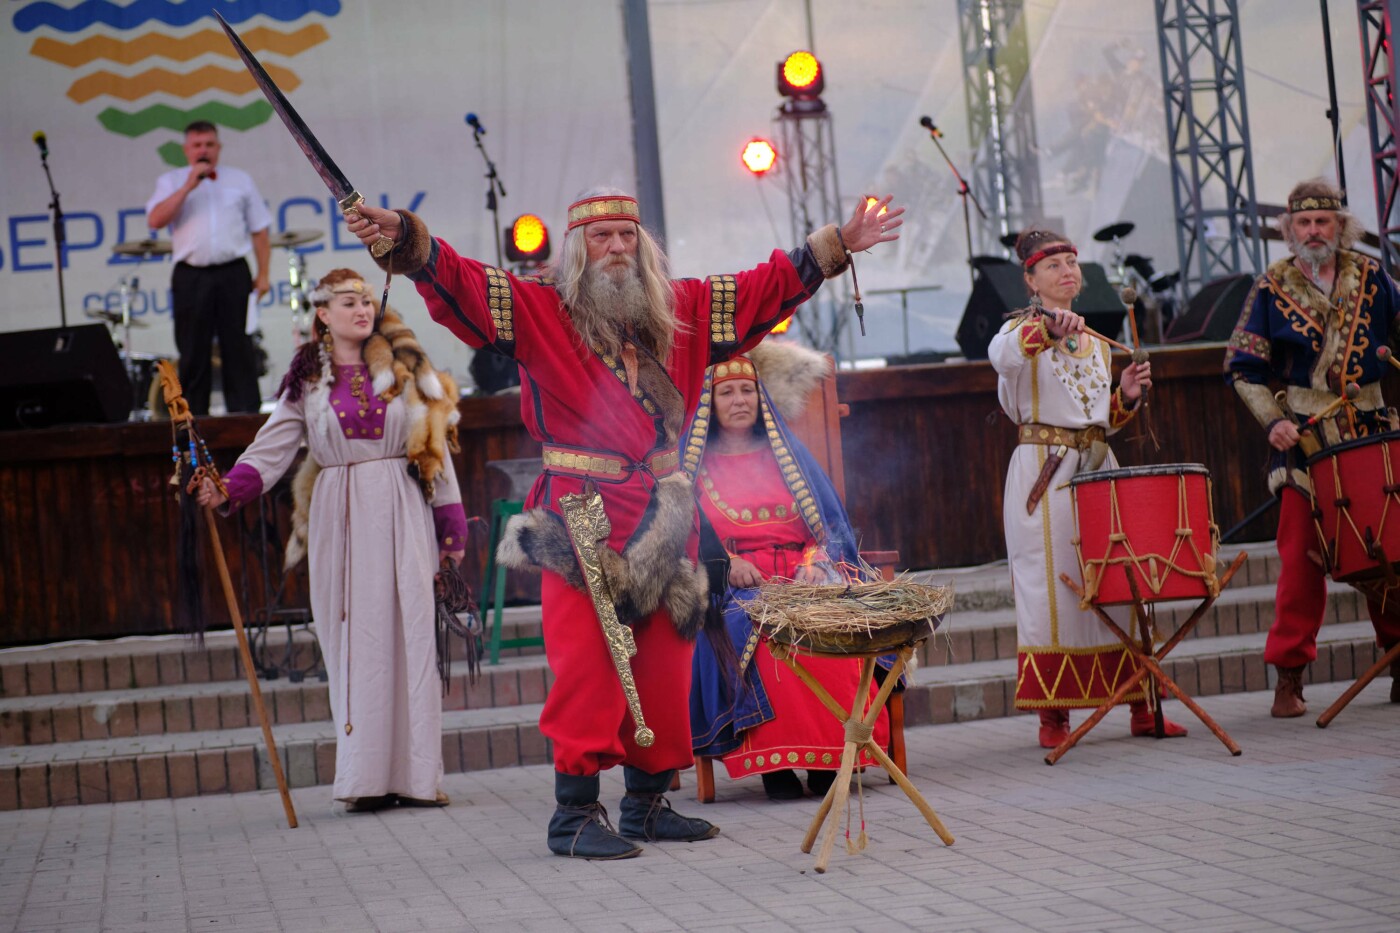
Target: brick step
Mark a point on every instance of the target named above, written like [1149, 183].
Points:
[234, 760]
[167, 660]
[1202, 667]
[71, 717]
[988, 587]
[185, 764]
[990, 634]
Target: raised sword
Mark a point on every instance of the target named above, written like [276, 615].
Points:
[345, 194]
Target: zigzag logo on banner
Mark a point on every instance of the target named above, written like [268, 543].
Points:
[229, 96]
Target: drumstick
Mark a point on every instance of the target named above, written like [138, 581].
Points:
[1385, 356]
[1350, 393]
[1129, 297]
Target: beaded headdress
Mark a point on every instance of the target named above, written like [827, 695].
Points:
[741, 367]
[605, 207]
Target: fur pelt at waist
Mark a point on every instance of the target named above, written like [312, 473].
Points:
[653, 570]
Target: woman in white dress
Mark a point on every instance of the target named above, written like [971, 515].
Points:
[1055, 382]
[383, 512]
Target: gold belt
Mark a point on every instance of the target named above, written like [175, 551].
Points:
[1052, 436]
[605, 466]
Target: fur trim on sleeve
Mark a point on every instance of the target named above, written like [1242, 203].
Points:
[411, 253]
[826, 247]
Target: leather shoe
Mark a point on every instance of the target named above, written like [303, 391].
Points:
[1054, 727]
[782, 785]
[1144, 724]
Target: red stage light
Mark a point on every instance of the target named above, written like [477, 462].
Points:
[759, 155]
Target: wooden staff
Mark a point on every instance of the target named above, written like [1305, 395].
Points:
[180, 417]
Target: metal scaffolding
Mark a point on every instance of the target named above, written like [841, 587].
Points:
[1217, 230]
[1005, 173]
[1376, 18]
[808, 149]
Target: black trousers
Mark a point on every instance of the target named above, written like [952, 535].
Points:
[210, 301]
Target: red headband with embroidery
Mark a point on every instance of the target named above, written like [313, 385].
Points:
[1051, 250]
[607, 207]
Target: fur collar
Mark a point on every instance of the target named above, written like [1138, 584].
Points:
[790, 372]
[1289, 282]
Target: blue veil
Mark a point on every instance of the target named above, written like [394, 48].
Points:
[719, 710]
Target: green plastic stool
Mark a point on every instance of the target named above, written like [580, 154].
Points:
[521, 473]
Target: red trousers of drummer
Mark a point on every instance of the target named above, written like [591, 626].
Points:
[1301, 598]
[585, 714]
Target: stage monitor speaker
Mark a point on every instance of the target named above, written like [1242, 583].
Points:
[1213, 312]
[1000, 289]
[61, 375]
[493, 372]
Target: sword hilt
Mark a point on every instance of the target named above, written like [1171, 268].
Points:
[348, 204]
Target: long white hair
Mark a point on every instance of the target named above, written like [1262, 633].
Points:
[596, 326]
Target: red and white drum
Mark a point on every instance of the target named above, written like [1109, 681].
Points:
[1356, 506]
[1155, 523]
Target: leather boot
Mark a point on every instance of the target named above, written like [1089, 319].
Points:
[646, 814]
[1288, 693]
[1054, 727]
[1144, 723]
[580, 826]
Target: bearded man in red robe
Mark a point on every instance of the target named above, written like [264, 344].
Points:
[612, 354]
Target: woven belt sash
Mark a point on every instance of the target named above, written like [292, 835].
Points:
[1052, 436]
[606, 466]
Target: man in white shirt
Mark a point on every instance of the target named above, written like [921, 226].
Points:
[216, 217]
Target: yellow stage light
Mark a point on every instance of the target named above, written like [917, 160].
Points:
[528, 240]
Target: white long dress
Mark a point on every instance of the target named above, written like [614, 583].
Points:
[1065, 656]
[372, 552]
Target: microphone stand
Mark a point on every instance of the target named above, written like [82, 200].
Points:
[493, 185]
[59, 239]
[965, 193]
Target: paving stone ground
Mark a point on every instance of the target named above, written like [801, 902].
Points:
[1300, 833]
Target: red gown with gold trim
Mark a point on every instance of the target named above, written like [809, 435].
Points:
[754, 514]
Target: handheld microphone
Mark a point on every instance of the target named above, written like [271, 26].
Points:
[42, 142]
[475, 124]
[927, 123]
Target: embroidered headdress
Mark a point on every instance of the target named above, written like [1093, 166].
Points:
[606, 207]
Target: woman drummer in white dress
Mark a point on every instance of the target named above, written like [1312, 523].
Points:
[1055, 382]
[383, 512]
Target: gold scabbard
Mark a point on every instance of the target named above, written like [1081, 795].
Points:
[588, 524]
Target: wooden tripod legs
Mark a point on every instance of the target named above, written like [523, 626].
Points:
[859, 721]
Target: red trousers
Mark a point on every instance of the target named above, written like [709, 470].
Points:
[585, 714]
[1301, 599]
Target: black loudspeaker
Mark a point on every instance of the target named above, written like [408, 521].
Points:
[1001, 289]
[1213, 312]
[493, 372]
[61, 375]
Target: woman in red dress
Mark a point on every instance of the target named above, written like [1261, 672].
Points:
[778, 517]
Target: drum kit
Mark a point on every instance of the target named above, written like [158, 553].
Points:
[140, 367]
[1136, 272]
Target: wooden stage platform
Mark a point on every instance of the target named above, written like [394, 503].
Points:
[88, 523]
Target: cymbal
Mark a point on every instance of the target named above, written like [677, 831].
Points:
[113, 317]
[1114, 232]
[1009, 239]
[289, 238]
[143, 248]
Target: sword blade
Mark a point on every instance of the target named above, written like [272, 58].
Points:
[320, 160]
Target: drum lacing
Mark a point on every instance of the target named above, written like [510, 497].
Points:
[1095, 570]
